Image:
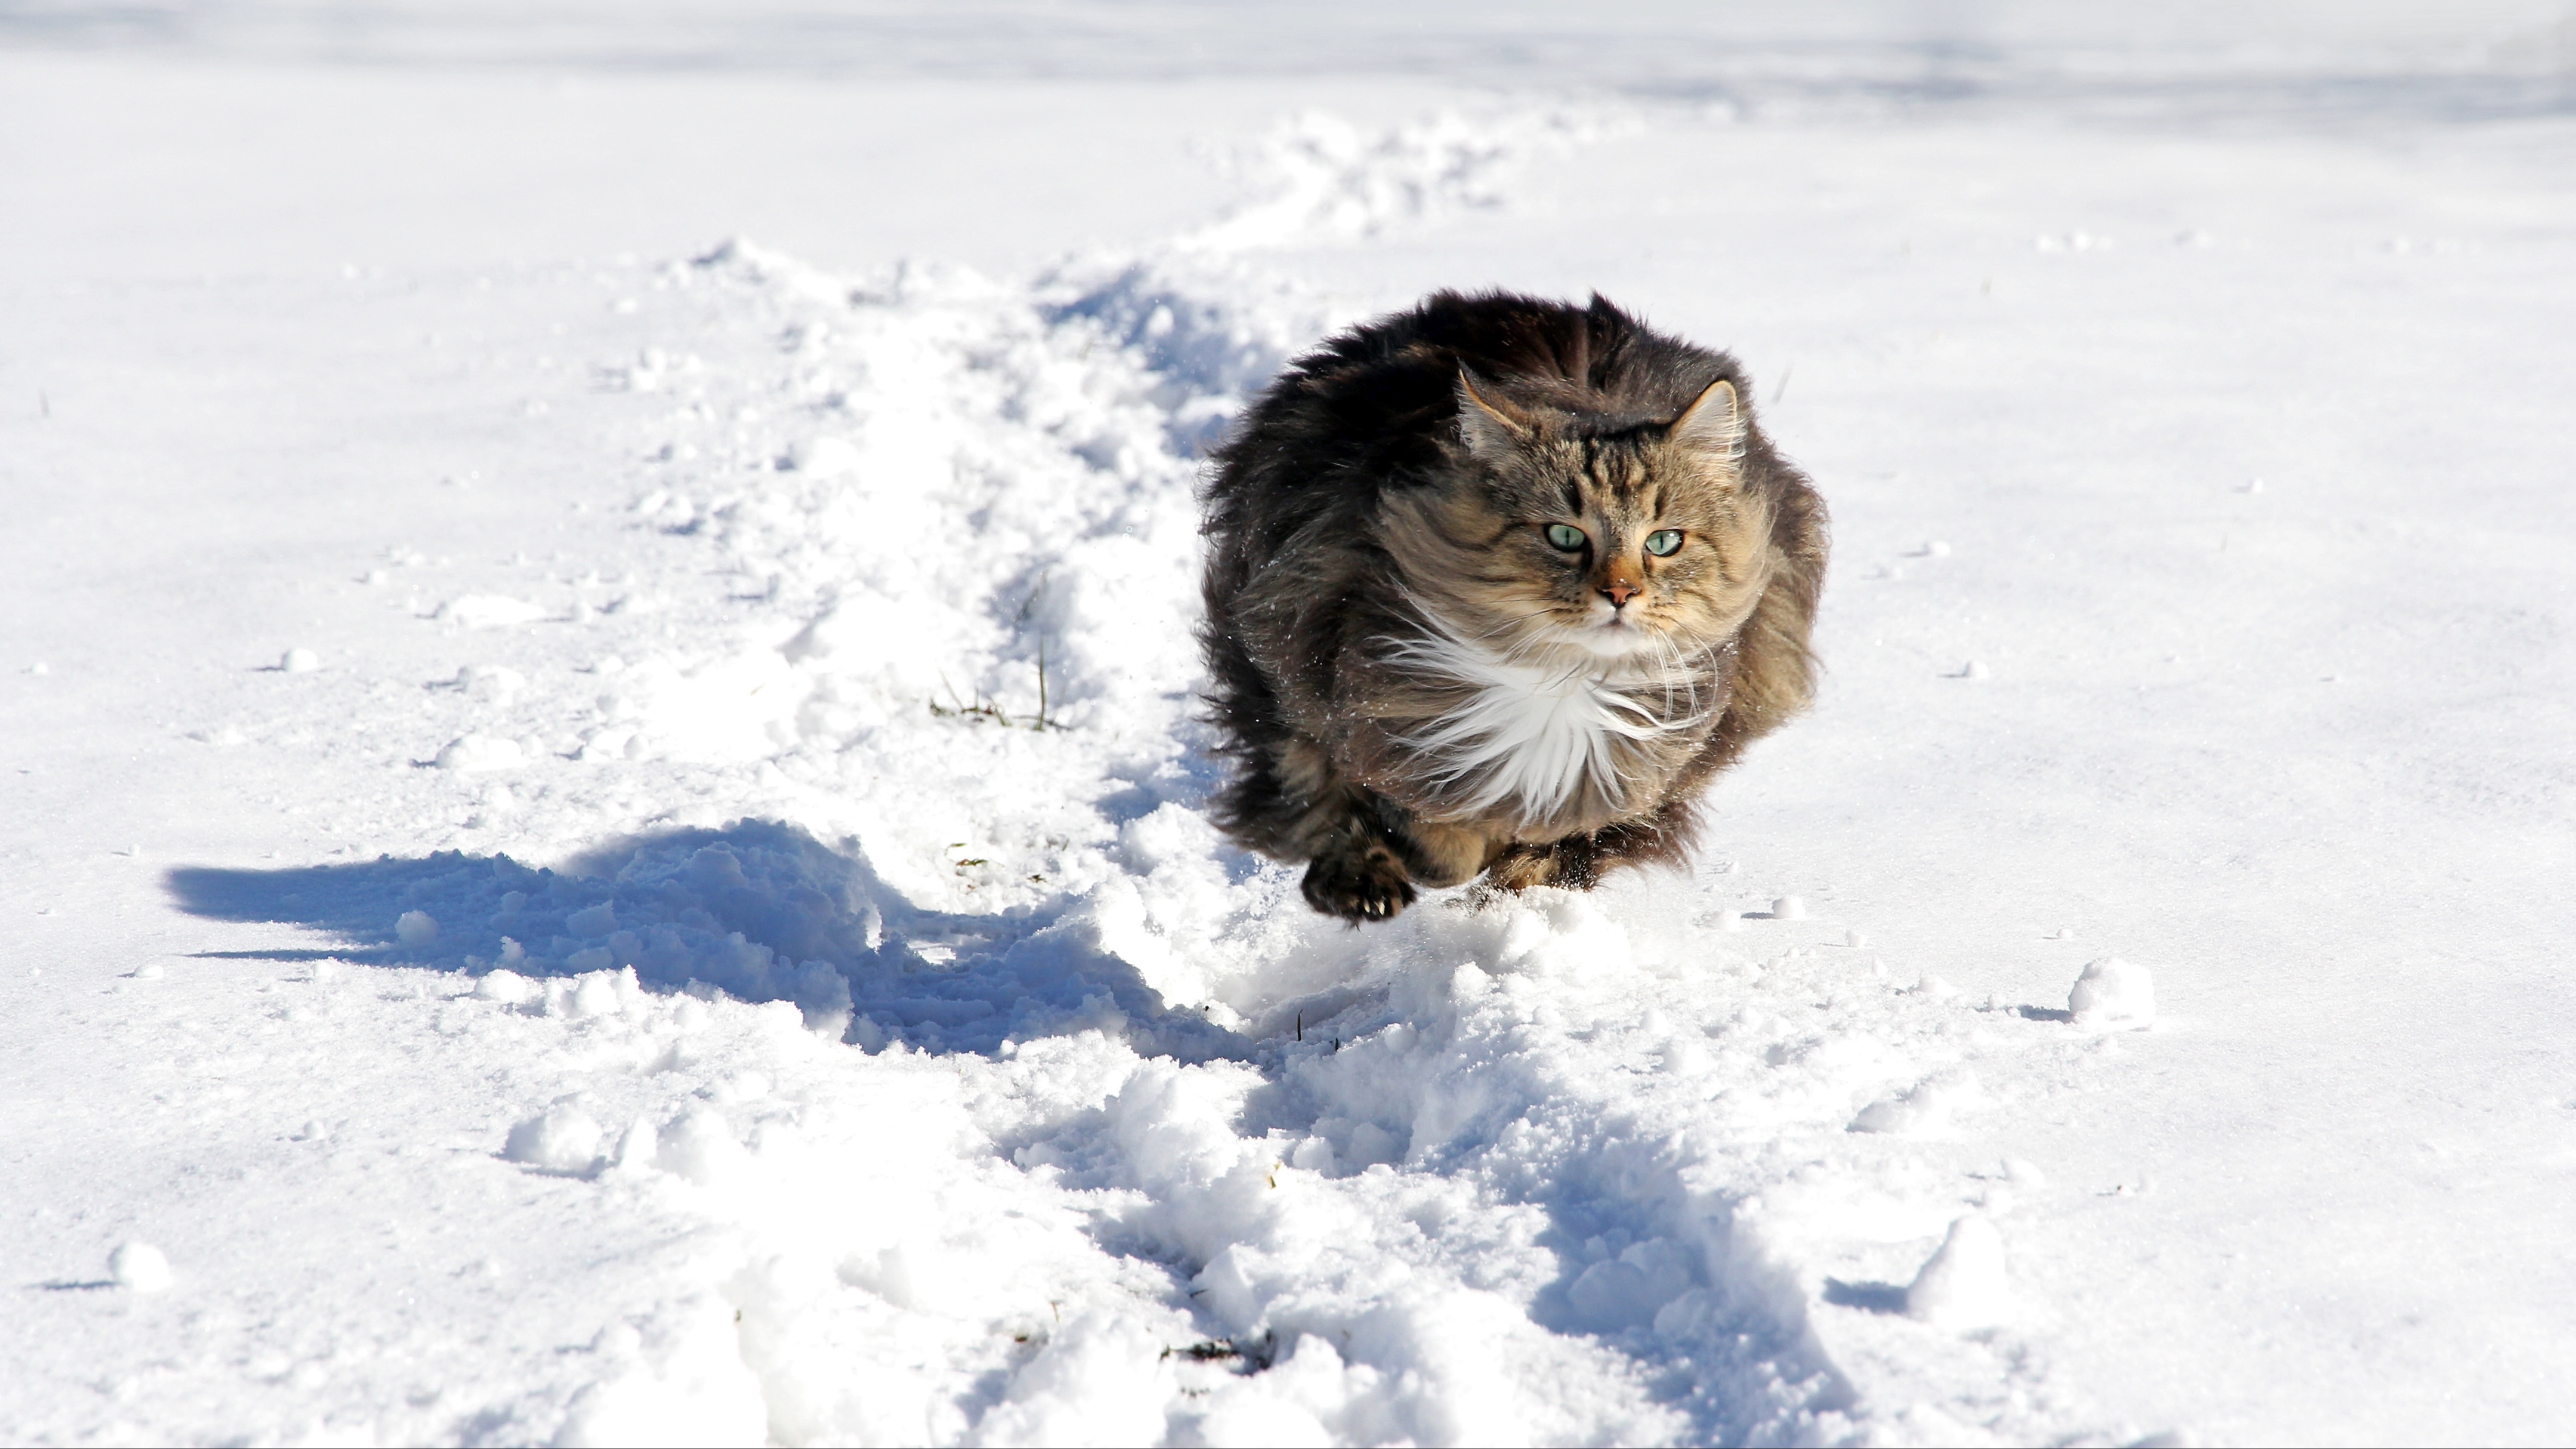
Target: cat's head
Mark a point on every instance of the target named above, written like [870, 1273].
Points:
[1559, 530]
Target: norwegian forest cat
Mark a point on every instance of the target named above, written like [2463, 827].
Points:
[1497, 585]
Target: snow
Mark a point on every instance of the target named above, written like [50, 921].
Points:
[473, 753]
[490, 611]
[1964, 1286]
[729, 948]
[563, 1139]
[2113, 993]
[140, 1267]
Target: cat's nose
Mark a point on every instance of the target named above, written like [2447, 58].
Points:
[1619, 593]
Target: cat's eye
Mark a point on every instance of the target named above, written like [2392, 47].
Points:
[1566, 536]
[1664, 542]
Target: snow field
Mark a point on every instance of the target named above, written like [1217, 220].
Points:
[1061, 1119]
[780, 1017]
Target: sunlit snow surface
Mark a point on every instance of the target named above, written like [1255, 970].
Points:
[610, 850]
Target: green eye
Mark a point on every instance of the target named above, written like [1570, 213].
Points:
[1663, 542]
[1566, 536]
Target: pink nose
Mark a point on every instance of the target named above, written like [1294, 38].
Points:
[1619, 594]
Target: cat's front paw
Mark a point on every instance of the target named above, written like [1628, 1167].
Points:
[1371, 887]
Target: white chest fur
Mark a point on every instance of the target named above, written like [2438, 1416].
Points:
[1528, 736]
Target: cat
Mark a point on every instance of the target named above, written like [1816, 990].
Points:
[1496, 586]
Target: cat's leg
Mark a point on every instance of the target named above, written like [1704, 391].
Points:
[1435, 855]
[1382, 853]
[1357, 879]
[1521, 865]
[1578, 862]
[1284, 799]
[1365, 854]
[1354, 868]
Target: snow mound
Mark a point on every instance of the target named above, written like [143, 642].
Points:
[1963, 1285]
[492, 682]
[563, 1139]
[2113, 994]
[489, 611]
[477, 753]
[140, 1267]
[1923, 1110]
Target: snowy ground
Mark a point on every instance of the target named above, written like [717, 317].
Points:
[532, 880]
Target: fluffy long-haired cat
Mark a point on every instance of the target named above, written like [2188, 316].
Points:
[1498, 585]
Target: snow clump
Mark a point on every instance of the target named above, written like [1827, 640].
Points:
[472, 753]
[490, 611]
[697, 1145]
[139, 1266]
[504, 986]
[1963, 1285]
[826, 457]
[416, 928]
[2113, 994]
[563, 1138]
[493, 682]
[1924, 1111]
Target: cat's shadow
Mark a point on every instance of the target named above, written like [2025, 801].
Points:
[759, 910]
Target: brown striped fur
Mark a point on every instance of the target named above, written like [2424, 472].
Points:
[1383, 508]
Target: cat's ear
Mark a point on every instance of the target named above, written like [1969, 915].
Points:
[1712, 424]
[1491, 434]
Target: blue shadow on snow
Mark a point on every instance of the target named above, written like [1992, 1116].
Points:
[759, 910]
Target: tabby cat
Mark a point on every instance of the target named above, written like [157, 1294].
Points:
[1497, 585]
